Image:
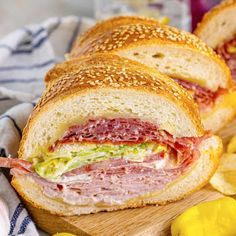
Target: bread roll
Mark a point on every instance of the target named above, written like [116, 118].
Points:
[109, 134]
[176, 53]
[218, 25]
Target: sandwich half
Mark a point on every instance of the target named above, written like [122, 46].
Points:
[178, 54]
[111, 134]
[218, 30]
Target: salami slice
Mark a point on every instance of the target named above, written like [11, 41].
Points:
[204, 97]
[122, 131]
[116, 131]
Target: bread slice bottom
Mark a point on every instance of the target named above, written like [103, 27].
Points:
[222, 113]
[193, 180]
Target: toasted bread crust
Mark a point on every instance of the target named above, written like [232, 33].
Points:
[110, 71]
[137, 202]
[122, 36]
[106, 25]
[132, 33]
[212, 13]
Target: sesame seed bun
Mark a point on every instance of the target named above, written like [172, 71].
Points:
[172, 51]
[107, 25]
[110, 86]
[107, 86]
[176, 53]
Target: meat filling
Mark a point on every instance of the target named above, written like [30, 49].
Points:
[115, 160]
[204, 97]
[227, 51]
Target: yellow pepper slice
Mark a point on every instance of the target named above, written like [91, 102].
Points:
[231, 148]
[216, 218]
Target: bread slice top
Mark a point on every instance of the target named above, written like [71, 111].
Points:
[108, 24]
[176, 53]
[219, 24]
[107, 86]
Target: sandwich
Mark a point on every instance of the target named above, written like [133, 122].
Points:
[109, 134]
[178, 54]
[218, 30]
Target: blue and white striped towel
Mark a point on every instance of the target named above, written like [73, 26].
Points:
[25, 56]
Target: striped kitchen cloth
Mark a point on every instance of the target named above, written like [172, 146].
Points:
[27, 53]
[25, 56]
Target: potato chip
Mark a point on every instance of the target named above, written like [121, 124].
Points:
[231, 148]
[224, 180]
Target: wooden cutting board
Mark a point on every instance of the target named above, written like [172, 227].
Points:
[146, 221]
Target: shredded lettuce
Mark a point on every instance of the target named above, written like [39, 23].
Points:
[53, 165]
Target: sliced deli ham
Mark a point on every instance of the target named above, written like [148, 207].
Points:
[18, 166]
[8, 162]
[115, 181]
[108, 182]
